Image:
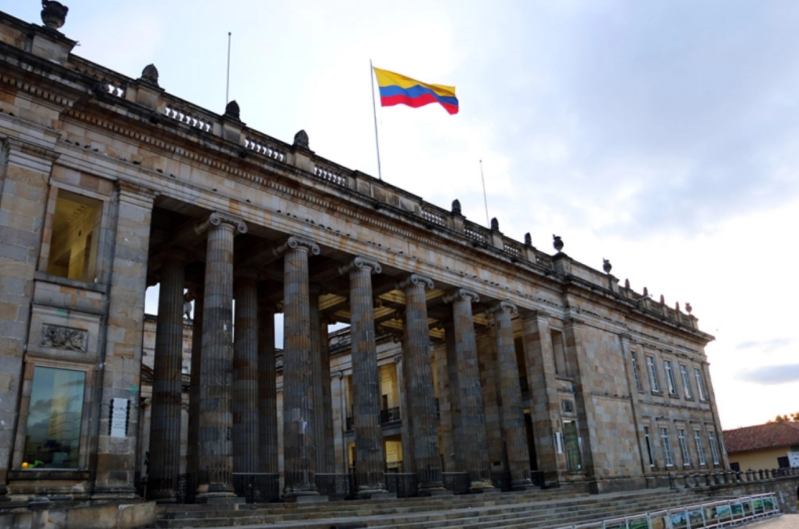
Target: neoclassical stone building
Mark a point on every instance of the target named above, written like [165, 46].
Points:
[508, 365]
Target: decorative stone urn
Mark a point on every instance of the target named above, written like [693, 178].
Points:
[54, 14]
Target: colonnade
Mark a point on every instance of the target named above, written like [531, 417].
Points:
[233, 412]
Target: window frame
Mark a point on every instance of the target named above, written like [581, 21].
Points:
[101, 264]
[686, 382]
[670, 382]
[700, 384]
[87, 412]
[666, 442]
[700, 449]
[639, 386]
[686, 455]
[653, 376]
[714, 449]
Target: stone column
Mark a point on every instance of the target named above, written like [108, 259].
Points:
[318, 420]
[215, 454]
[327, 399]
[244, 404]
[421, 393]
[369, 456]
[267, 389]
[299, 446]
[193, 437]
[164, 467]
[514, 431]
[545, 403]
[471, 434]
[455, 445]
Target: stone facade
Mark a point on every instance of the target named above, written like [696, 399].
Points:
[544, 370]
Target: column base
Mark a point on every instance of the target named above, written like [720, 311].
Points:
[309, 498]
[436, 492]
[377, 495]
[522, 484]
[482, 487]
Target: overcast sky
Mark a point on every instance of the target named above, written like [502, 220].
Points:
[663, 136]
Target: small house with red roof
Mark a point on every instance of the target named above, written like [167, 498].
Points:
[765, 446]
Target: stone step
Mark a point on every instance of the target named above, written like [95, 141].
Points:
[558, 512]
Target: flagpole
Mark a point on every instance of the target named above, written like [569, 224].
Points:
[227, 82]
[485, 197]
[374, 111]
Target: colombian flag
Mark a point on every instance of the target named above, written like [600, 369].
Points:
[396, 89]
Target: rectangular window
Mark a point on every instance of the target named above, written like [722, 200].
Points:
[700, 450]
[686, 382]
[635, 372]
[52, 437]
[670, 377]
[686, 457]
[714, 449]
[648, 446]
[664, 438]
[653, 376]
[700, 385]
[560, 355]
[574, 460]
[75, 233]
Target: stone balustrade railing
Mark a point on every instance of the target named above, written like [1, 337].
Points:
[725, 477]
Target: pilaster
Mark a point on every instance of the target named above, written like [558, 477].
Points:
[545, 408]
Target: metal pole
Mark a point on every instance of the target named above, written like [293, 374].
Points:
[227, 84]
[485, 198]
[374, 110]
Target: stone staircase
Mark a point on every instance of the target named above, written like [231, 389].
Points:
[533, 509]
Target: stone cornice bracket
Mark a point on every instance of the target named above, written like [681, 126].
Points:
[463, 294]
[503, 305]
[415, 279]
[294, 242]
[217, 219]
[361, 262]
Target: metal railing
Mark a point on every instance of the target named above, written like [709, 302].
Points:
[721, 513]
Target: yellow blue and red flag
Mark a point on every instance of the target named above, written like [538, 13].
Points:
[397, 89]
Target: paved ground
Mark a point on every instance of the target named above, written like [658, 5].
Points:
[786, 521]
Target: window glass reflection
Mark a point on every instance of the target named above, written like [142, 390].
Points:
[53, 432]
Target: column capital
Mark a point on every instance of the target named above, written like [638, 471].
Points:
[506, 306]
[415, 279]
[296, 242]
[361, 262]
[461, 293]
[217, 219]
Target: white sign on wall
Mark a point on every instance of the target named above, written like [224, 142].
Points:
[793, 459]
[119, 417]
